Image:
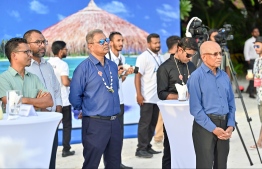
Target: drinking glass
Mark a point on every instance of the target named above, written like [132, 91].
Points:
[13, 103]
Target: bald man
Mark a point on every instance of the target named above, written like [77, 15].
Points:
[212, 104]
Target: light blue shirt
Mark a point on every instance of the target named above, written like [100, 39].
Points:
[210, 94]
[46, 74]
[88, 91]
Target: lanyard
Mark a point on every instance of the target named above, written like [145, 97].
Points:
[155, 58]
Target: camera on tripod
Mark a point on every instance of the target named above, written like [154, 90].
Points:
[224, 35]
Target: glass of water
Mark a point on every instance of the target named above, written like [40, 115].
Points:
[14, 98]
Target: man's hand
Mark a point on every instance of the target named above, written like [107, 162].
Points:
[129, 71]
[120, 70]
[140, 100]
[41, 94]
[220, 133]
[80, 115]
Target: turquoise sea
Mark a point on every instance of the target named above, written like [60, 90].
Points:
[73, 62]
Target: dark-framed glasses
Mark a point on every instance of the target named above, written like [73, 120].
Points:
[102, 41]
[28, 52]
[188, 55]
[256, 46]
[216, 54]
[40, 42]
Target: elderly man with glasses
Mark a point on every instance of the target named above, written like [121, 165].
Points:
[45, 72]
[94, 90]
[212, 104]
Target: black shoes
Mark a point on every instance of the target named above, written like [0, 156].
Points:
[151, 151]
[143, 154]
[67, 153]
[252, 96]
[122, 166]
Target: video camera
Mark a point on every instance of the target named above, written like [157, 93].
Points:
[223, 35]
[197, 30]
[126, 66]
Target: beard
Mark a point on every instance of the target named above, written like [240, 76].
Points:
[64, 56]
[155, 50]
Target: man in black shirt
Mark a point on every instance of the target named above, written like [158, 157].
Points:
[176, 69]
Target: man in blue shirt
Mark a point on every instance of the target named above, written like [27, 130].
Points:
[212, 104]
[94, 90]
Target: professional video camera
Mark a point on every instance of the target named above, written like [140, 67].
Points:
[197, 30]
[223, 35]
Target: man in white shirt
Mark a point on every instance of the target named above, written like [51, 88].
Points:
[62, 74]
[146, 90]
[44, 71]
[250, 56]
[116, 45]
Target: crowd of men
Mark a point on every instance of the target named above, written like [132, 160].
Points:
[96, 91]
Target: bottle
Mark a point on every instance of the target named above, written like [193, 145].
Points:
[1, 111]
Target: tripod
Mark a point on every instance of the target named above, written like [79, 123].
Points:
[225, 54]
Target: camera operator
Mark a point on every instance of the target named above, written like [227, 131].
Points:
[176, 69]
[250, 56]
[213, 34]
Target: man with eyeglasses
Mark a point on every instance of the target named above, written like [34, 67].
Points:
[169, 73]
[212, 103]
[250, 56]
[116, 46]
[17, 78]
[94, 90]
[258, 74]
[45, 72]
[146, 90]
[61, 70]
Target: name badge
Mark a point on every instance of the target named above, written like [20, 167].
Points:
[27, 110]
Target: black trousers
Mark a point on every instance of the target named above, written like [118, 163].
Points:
[54, 150]
[251, 89]
[101, 137]
[166, 160]
[210, 151]
[67, 127]
[121, 118]
[146, 125]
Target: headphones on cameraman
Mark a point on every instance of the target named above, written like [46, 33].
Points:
[188, 33]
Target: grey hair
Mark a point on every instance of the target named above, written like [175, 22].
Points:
[90, 35]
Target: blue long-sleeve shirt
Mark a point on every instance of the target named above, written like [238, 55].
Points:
[210, 94]
[89, 93]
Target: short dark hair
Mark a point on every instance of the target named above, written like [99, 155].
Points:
[171, 41]
[29, 32]
[253, 28]
[12, 45]
[211, 31]
[152, 35]
[188, 43]
[57, 46]
[112, 34]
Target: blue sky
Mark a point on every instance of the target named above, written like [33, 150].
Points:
[153, 16]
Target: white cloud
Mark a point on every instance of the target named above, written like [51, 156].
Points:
[147, 17]
[60, 17]
[14, 14]
[39, 8]
[6, 36]
[117, 8]
[167, 13]
[164, 32]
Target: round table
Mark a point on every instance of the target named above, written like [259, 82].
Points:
[178, 123]
[36, 133]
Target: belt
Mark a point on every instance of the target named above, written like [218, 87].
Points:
[103, 117]
[217, 117]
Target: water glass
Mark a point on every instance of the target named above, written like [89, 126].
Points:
[14, 98]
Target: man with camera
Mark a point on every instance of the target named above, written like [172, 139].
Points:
[176, 69]
[250, 56]
[116, 45]
[212, 104]
[146, 90]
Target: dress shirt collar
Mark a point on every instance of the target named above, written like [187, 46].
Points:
[207, 69]
[42, 61]
[114, 57]
[13, 72]
[152, 53]
[96, 61]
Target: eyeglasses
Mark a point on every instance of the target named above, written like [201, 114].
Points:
[256, 46]
[215, 55]
[28, 52]
[102, 41]
[189, 55]
[40, 42]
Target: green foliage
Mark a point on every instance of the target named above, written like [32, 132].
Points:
[185, 8]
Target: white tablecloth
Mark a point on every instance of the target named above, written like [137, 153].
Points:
[37, 134]
[178, 123]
